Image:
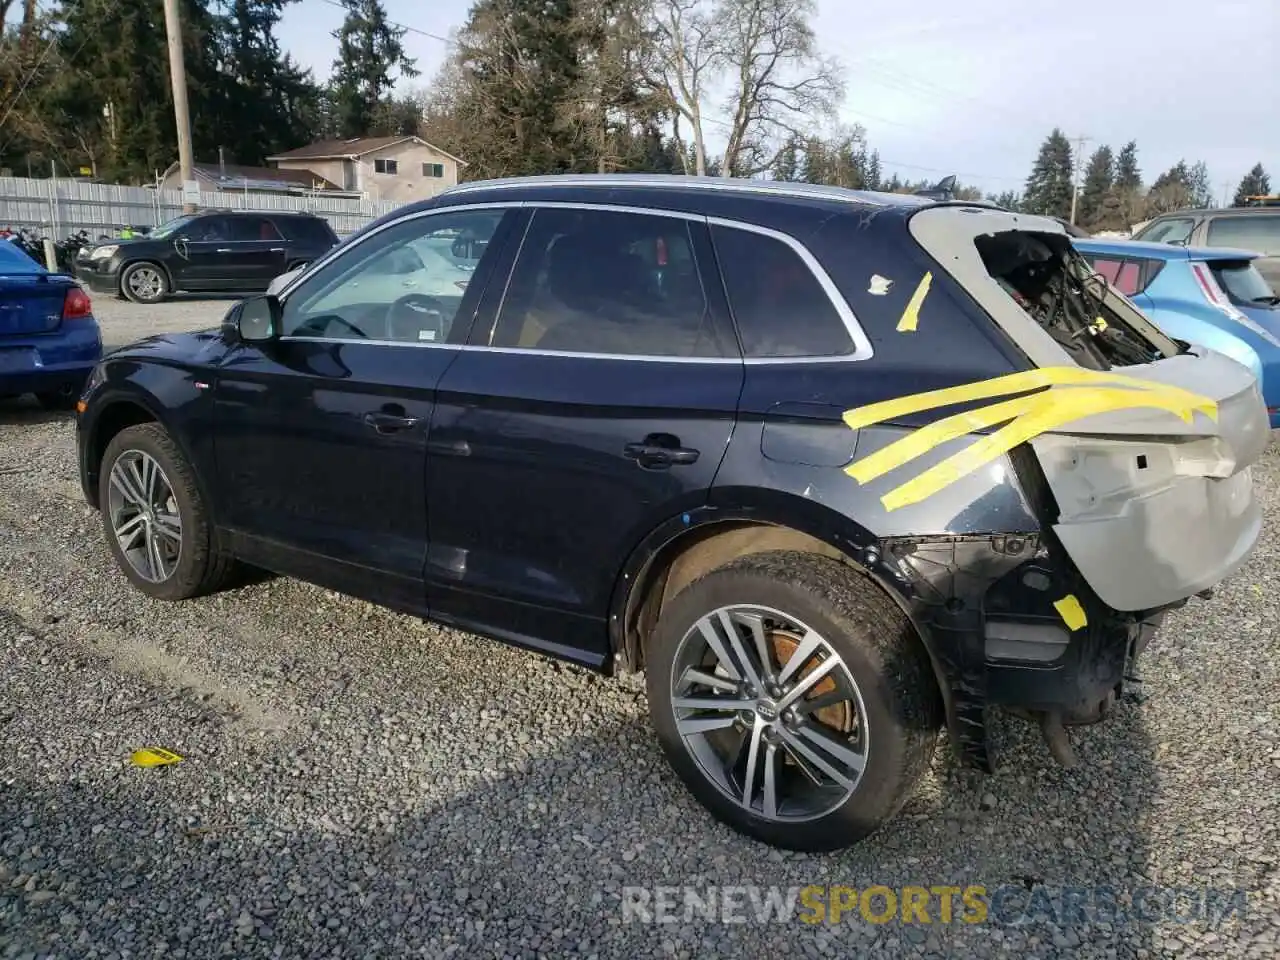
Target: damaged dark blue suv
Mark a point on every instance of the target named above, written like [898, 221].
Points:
[835, 469]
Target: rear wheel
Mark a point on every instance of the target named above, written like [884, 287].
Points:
[156, 523]
[793, 698]
[144, 283]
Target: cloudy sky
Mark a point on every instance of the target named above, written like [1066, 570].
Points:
[973, 87]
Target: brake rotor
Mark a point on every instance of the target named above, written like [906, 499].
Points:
[839, 716]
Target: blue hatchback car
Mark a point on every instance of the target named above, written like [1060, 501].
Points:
[1206, 295]
[49, 339]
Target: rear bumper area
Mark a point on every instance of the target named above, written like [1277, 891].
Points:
[57, 362]
[1010, 622]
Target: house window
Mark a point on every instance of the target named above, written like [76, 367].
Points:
[434, 170]
[384, 166]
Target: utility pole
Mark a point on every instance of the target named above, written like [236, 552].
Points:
[178, 79]
[1076, 168]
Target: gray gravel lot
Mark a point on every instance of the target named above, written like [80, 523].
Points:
[360, 784]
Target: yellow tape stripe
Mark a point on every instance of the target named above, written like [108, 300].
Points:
[1050, 413]
[1002, 386]
[1071, 612]
[911, 315]
[921, 441]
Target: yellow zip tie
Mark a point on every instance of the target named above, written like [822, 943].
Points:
[1071, 612]
[154, 757]
[911, 315]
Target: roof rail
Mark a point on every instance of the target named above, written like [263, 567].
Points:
[678, 181]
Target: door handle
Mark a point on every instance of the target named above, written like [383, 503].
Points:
[385, 422]
[276, 250]
[222, 250]
[658, 456]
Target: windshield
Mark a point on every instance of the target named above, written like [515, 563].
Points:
[169, 227]
[1243, 283]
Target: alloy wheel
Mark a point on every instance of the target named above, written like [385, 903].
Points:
[144, 516]
[771, 713]
[146, 283]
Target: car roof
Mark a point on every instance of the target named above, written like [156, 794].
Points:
[1160, 251]
[230, 211]
[692, 190]
[1217, 212]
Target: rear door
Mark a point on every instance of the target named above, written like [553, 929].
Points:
[256, 254]
[1259, 232]
[596, 402]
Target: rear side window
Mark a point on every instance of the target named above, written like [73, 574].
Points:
[1129, 275]
[778, 303]
[313, 231]
[1248, 233]
[1168, 231]
[252, 228]
[607, 282]
[1243, 284]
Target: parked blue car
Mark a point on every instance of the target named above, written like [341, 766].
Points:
[1207, 295]
[49, 339]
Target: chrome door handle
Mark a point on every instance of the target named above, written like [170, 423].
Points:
[276, 250]
[223, 250]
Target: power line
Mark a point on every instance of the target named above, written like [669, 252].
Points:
[403, 26]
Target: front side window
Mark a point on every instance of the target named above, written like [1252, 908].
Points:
[1168, 231]
[607, 282]
[1261, 234]
[778, 303]
[385, 166]
[208, 229]
[401, 284]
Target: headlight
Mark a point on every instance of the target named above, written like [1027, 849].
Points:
[102, 253]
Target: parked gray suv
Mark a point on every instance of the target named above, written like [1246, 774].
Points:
[1246, 228]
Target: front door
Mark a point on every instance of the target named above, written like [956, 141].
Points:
[320, 436]
[596, 403]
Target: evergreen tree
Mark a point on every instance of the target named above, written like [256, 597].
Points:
[1171, 190]
[1099, 175]
[270, 103]
[1128, 177]
[786, 166]
[1201, 188]
[874, 173]
[1256, 183]
[1049, 187]
[370, 51]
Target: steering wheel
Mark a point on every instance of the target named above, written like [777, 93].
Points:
[334, 319]
[425, 313]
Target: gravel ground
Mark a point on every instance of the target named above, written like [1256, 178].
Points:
[360, 784]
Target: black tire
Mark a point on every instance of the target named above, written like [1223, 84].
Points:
[155, 293]
[883, 654]
[202, 567]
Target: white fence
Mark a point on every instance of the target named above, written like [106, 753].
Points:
[57, 207]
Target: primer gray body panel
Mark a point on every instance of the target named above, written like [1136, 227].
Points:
[1152, 509]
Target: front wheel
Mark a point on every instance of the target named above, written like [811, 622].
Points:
[144, 283]
[156, 523]
[793, 698]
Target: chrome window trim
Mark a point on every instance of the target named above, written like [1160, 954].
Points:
[862, 345]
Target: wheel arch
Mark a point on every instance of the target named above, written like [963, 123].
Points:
[117, 412]
[684, 548]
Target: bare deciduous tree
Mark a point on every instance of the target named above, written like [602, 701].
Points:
[779, 85]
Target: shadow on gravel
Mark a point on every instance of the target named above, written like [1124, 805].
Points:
[535, 861]
[24, 411]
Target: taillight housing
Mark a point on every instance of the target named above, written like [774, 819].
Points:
[76, 304]
[1212, 292]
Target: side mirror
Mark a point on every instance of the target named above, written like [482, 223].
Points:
[257, 320]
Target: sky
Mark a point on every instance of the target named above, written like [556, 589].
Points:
[973, 87]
